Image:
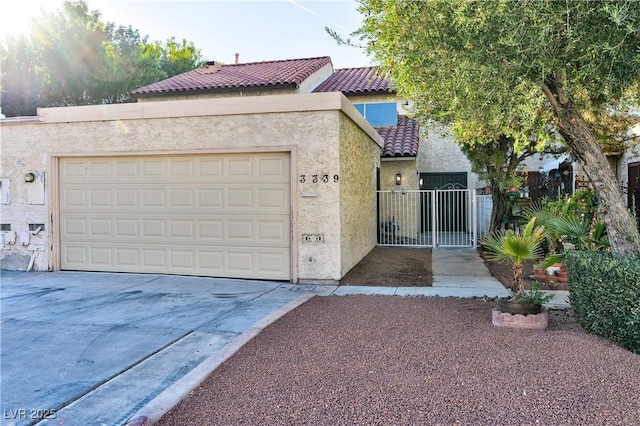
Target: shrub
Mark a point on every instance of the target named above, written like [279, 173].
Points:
[605, 295]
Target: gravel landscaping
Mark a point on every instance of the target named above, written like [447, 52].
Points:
[430, 361]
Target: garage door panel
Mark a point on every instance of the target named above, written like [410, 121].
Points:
[126, 227]
[126, 197]
[153, 197]
[240, 198]
[126, 169]
[211, 167]
[239, 230]
[74, 226]
[153, 258]
[217, 215]
[153, 168]
[240, 261]
[184, 259]
[182, 167]
[273, 168]
[272, 199]
[212, 198]
[153, 228]
[126, 259]
[272, 231]
[73, 197]
[211, 261]
[75, 255]
[240, 167]
[181, 228]
[212, 229]
[101, 256]
[181, 198]
[74, 170]
[273, 262]
[100, 227]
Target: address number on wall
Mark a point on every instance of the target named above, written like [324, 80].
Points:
[319, 178]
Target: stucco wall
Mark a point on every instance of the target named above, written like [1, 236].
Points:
[308, 125]
[359, 159]
[400, 208]
[438, 153]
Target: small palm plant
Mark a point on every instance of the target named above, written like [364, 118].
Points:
[515, 246]
[545, 215]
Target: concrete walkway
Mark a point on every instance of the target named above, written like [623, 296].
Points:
[114, 349]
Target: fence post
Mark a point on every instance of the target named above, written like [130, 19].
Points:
[475, 217]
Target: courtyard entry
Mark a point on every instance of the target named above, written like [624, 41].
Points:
[428, 218]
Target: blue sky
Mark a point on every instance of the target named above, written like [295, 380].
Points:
[258, 30]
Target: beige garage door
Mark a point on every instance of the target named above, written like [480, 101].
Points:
[211, 215]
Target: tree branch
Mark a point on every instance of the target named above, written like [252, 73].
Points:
[549, 94]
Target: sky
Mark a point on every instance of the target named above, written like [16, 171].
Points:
[258, 30]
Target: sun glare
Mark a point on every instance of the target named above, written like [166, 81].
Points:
[15, 15]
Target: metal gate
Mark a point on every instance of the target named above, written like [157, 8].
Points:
[427, 218]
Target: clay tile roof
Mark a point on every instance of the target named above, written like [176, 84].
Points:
[365, 80]
[401, 140]
[212, 77]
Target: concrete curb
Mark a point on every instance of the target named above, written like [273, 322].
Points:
[170, 397]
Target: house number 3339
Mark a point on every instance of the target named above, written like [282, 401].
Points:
[319, 178]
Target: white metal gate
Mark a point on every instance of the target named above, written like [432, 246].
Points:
[427, 218]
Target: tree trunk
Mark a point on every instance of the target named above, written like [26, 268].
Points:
[621, 227]
[499, 209]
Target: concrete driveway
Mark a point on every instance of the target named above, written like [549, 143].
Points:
[93, 348]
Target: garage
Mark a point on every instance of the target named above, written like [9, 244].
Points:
[226, 215]
[278, 187]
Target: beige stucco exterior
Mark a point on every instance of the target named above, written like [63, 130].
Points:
[323, 133]
[440, 154]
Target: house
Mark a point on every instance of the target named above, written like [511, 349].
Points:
[627, 169]
[263, 170]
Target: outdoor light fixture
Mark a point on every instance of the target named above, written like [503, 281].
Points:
[29, 177]
[398, 178]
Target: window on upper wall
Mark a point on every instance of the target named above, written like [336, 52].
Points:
[379, 114]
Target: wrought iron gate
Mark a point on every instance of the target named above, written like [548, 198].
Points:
[427, 218]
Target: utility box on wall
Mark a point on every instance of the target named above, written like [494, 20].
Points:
[34, 182]
[5, 190]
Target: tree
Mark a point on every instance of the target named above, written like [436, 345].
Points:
[20, 70]
[507, 63]
[72, 57]
[496, 161]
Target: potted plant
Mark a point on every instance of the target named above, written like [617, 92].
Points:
[535, 296]
[516, 246]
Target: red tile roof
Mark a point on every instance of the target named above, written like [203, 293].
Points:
[353, 81]
[268, 74]
[402, 140]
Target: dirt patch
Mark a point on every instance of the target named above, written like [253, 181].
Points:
[392, 267]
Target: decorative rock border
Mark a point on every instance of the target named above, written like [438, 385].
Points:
[531, 321]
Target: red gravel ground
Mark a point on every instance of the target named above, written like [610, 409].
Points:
[383, 360]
